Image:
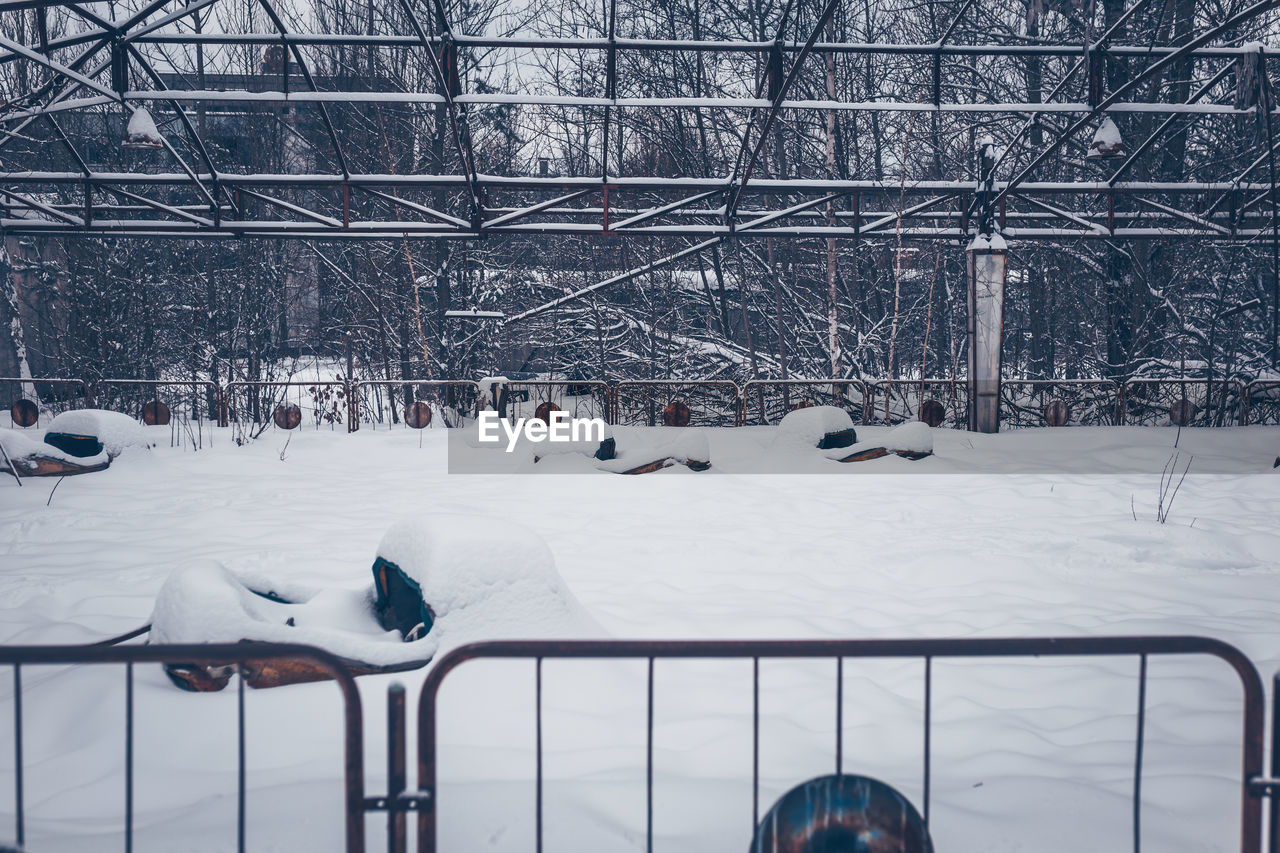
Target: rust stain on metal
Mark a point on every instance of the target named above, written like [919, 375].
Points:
[155, 413]
[544, 410]
[676, 414]
[287, 417]
[1057, 413]
[933, 413]
[24, 412]
[418, 416]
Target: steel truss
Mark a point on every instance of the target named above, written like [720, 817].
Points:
[55, 178]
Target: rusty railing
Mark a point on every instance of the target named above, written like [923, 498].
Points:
[1058, 402]
[382, 401]
[767, 401]
[676, 402]
[45, 395]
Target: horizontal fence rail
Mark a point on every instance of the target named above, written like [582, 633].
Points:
[257, 406]
[767, 401]
[237, 655]
[1253, 718]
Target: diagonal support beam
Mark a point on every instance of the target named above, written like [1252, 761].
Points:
[665, 209]
[529, 211]
[293, 208]
[429, 212]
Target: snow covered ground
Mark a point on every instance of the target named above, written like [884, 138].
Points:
[1026, 533]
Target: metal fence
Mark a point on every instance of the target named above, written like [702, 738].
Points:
[938, 402]
[767, 401]
[237, 655]
[526, 398]
[1058, 402]
[255, 407]
[401, 798]
[1182, 402]
[1253, 786]
[676, 402]
[382, 402]
[1262, 402]
[47, 397]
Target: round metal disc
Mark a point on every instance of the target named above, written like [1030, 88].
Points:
[842, 814]
[544, 410]
[933, 413]
[1057, 413]
[287, 417]
[676, 414]
[1183, 412]
[418, 415]
[155, 413]
[24, 412]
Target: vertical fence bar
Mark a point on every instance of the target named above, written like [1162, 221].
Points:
[1275, 763]
[396, 758]
[1137, 757]
[928, 732]
[240, 763]
[839, 716]
[755, 744]
[17, 751]
[128, 758]
[648, 782]
[538, 749]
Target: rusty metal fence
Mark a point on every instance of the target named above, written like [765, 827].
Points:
[1182, 402]
[767, 401]
[1253, 786]
[256, 406]
[381, 402]
[34, 400]
[676, 402]
[1262, 402]
[1059, 402]
[937, 402]
[527, 398]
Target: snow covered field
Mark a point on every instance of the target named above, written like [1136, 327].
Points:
[1025, 533]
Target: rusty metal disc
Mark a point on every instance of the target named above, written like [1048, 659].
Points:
[856, 814]
[1057, 413]
[933, 413]
[1183, 412]
[676, 414]
[155, 413]
[418, 415]
[24, 412]
[803, 404]
[544, 410]
[287, 417]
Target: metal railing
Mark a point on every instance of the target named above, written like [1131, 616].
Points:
[1196, 402]
[587, 398]
[1058, 402]
[379, 402]
[1262, 402]
[676, 402]
[659, 402]
[49, 395]
[926, 650]
[767, 401]
[240, 655]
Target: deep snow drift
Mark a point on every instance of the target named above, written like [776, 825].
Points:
[1028, 533]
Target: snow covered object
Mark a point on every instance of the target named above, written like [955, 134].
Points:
[112, 430]
[913, 440]
[32, 458]
[142, 132]
[1107, 143]
[439, 581]
[823, 427]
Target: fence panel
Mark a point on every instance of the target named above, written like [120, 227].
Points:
[767, 401]
[1058, 402]
[1181, 402]
[581, 399]
[47, 397]
[239, 656]
[926, 651]
[938, 402]
[676, 402]
[255, 407]
[382, 402]
[1262, 402]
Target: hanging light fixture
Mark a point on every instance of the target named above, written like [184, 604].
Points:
[142, 133]
[1107, 143]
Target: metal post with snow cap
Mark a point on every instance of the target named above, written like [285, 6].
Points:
[987, 266]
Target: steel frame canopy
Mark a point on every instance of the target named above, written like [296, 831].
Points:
[61, 175]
